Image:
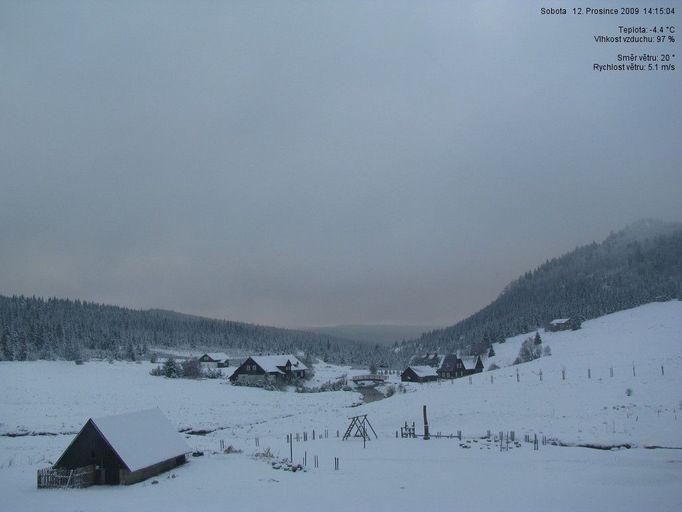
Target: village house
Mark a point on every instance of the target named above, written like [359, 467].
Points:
[564, 324]
[472, 364]
[122, 449]
[419, 374]
[448, 366]
[451, 367]
[215, 360]
[269, 369]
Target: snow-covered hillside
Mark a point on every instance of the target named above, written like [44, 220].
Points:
[588, 405]
[640, 409]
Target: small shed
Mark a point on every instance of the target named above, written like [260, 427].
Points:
[419, 374]
[215, 360]
[126, 448]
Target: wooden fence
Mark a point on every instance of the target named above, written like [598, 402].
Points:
[50, 478]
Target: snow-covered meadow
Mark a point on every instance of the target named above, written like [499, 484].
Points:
[641, 408]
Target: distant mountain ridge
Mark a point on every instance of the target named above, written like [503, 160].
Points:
[383, 334]
[637, 265]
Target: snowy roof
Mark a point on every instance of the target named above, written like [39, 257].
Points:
[469, 362]
[559, 321]
[424, 371]
[141, 438]
[217, 356]
[270, 364]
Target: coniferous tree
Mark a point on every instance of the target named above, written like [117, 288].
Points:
[130, 353]
[6, 352]
[171, 368]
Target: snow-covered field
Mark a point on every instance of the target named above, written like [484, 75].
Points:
[641, 409]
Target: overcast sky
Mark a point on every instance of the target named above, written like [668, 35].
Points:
[315, 163]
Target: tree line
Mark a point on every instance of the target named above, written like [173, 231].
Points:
[37, 328]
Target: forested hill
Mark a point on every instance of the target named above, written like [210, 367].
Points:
[640, 264]
[34, 328]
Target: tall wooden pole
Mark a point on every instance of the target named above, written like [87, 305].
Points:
[426, 427]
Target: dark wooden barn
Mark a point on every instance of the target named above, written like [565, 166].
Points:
[419, 374]
[564, 324]
[126, 448]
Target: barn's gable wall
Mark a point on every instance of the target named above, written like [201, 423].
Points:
[88, 448]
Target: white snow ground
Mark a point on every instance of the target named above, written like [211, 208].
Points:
[389, 474]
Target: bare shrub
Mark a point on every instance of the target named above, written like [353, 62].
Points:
[191, 369]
